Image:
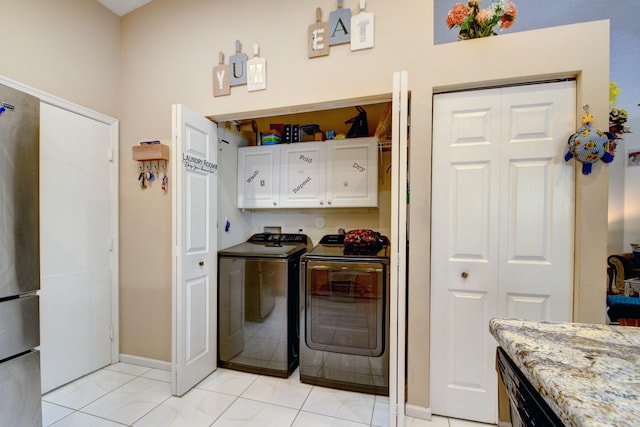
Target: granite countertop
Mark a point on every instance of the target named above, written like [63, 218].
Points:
[589, 374]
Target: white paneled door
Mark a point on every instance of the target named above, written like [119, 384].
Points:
[76, 245]
[502, 230]
[398, 266]
[194, 166]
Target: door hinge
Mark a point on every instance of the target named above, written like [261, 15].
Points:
[111, 332]
[110, 154]
[110, 244]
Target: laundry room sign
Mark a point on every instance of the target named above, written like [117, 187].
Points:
[196, 163]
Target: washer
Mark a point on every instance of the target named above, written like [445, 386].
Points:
[344, 318]
[258, 301]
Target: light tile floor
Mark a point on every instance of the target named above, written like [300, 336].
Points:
[131, 395]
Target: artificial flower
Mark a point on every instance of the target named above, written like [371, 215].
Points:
[509, 17]
[475, 22]
[614, 91]
[617, 118]
[457, 15]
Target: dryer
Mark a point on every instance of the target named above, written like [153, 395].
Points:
[344, 317]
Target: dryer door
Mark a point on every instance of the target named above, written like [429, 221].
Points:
[345, 307]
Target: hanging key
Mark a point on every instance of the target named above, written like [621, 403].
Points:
[141, 179]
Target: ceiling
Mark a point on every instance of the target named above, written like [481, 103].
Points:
[122, 7]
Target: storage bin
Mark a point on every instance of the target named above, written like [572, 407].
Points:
[272, 137]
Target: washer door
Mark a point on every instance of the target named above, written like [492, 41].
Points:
[345, 307]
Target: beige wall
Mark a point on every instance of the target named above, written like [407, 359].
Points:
[166, 54]
[518, 57]
[67, 48]
[169, 49]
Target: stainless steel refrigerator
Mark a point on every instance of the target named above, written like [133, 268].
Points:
[20, 396]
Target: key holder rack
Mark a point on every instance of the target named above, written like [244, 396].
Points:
[152, 157]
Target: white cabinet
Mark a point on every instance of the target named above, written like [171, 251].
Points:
[258, 176]
[335, 173]
[302, 175]
[352, 173]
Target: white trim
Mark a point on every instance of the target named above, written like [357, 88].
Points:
[416, 411]
[114, 192]
[175, 250]
[115, 232]
[58, 102]
[146, 362]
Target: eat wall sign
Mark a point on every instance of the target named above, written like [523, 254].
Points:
[341, 28]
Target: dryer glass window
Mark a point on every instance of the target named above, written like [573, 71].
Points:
[345, 307]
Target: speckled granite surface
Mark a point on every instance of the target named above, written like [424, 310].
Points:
[589, 374]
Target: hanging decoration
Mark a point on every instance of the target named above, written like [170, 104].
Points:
[238, 67]
[240, 71]
[476, 23]
[340, 25]
[256, 71]
[588, 145]
[342, 28]
[362, 29]
[221, 73]
[318, 37]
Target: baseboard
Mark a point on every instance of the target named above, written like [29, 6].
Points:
[416, 411]
[146, 362]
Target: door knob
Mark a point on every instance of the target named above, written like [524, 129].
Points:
[201, 263]
[464, 275]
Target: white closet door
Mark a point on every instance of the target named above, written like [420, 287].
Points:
[537, 203]
[195, 237]
[502, 231]
[398, 266]
[75, 243]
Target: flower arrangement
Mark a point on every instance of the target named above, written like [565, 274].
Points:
[617, 120]
[617, 117]
[475, 22]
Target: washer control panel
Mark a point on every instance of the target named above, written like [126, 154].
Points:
[286, 238]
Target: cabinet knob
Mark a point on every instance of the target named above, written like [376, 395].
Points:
[329, 202]
[321, 203]
[345, 183]
[275, 204]
[464, 275]
[201, 263]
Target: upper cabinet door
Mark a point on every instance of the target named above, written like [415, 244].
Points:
[352, 173]
[302, 175]
[258, 175]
